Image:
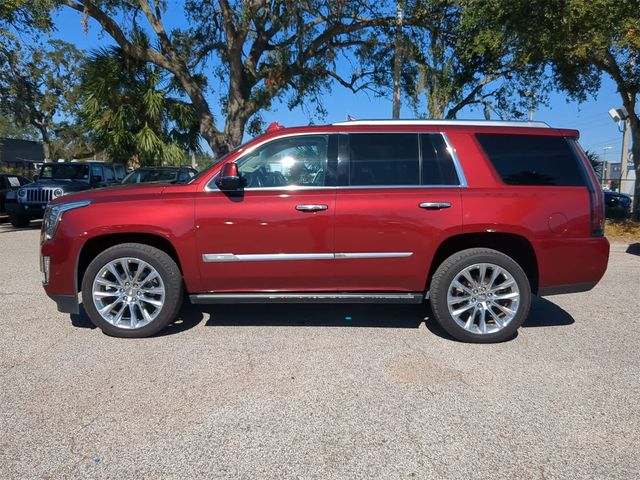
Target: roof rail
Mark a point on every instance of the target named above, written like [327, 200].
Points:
[475, 123]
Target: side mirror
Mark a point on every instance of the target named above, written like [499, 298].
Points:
[230, 179]
[96, 179]
[35, 177]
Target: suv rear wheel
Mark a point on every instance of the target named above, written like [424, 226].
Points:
[132, 290]
[480, 295]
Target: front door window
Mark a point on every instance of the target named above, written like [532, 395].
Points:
[294, 161]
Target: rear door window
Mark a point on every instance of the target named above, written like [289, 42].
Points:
[384, 159]
[532, 159]
[437, 161]
[96, 173]
[108, 173]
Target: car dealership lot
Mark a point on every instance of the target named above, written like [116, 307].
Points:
[318, 391]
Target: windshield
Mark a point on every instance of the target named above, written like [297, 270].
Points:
[155, 175]
[65, 172]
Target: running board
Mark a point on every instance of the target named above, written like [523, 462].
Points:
[202, 298]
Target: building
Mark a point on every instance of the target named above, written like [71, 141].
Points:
[21, 155]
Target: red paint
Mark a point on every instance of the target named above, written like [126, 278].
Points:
[196, 221]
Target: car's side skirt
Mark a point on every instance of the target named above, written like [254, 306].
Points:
[311, 297]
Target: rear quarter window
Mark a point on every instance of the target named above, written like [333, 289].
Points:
[532, 159]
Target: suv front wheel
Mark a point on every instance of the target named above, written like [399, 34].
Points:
[480, 295]
[132, 290]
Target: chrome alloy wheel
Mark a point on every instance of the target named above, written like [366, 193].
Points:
[128, 293]
[483, 298]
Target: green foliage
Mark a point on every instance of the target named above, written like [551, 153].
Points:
[455, 56]
[8, 129]
[23, 16]
[39, 89]
[582, 40]
[130, 111]
[595, 162]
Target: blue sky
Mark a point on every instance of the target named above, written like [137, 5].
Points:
[597, 130]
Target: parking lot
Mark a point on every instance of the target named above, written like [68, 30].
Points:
[319, 391]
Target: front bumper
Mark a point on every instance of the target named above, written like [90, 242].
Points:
[66, 303]
[30, 209]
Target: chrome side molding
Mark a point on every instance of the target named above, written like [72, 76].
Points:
[276, 257]
[311, 297]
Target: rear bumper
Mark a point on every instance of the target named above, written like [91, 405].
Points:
[564, 289]
[571, 265]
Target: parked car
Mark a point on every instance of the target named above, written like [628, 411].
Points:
[9, 183]
[160, 174]
[473, 216]
[616, 204]
[56, 180]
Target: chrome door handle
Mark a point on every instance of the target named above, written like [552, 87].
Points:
[311, 208]
[435, 205]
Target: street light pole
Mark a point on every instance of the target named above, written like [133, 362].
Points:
[624, 158]
[604, 164]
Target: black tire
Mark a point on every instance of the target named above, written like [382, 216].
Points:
[20, 221]
[166, 268]
[456, 263]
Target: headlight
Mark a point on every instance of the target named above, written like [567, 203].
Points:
[53, 216]
[57, 193]
[22, 192]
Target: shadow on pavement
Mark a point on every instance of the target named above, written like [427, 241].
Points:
[543, 314]
[8, 228]
[634, 249]
[316, 315]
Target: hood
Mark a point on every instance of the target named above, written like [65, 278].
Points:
[114, 193]
[66, 185]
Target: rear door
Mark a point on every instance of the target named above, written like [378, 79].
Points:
[399, 197]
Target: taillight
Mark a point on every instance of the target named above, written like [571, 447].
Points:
[597, 211]
[596, 196]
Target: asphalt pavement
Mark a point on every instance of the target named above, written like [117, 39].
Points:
[319, 391]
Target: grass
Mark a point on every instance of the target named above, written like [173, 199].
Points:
[623, 230]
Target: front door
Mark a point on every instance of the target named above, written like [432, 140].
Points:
[401, 197]
[276, 235]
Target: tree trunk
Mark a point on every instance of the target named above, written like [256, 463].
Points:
[634, 125]
[46, 142]
[397, 62]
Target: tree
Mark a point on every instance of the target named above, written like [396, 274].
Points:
[129, 110]
[8, 129]
[583, 40]
[456, 56]
[596, 162]
[38, 88]
[259, 50]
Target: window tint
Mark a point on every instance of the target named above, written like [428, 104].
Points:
[96, 171]
[384, 159]
[120, 172]
[437, 162]
[300, 160]
[532, 159]
[108, 173]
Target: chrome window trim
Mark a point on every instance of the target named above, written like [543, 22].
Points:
[212, 187]
[271, 257]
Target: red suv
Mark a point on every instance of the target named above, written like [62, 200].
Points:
[473, 216]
